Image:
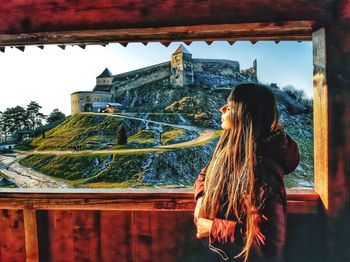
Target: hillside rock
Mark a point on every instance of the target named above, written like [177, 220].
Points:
[175, 168]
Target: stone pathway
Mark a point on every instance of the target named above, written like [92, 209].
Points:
[26, 177]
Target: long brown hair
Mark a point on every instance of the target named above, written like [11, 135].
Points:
[230, 174]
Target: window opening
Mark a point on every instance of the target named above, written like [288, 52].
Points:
[164, 106]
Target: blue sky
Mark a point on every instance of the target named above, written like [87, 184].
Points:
[49, 76]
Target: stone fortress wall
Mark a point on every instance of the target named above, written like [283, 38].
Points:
[181, 71]
[134, 79]
[217, 66]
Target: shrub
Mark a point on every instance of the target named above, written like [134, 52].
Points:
[122, 138]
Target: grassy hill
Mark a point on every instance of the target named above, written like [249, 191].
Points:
[165, 168]
[86, 131]
[177, 167]
[89, 131]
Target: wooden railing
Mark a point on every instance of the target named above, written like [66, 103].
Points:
[299, 200]
[109, 225]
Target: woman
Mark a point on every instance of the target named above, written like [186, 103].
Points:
[240, 194]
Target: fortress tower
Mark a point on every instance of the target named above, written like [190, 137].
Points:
[251, 74]
[104, 81]
[181, 68]
[255, 71]
[83, 101]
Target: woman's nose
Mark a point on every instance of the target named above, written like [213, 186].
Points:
[223, 109]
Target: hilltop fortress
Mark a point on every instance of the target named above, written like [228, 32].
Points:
[128, 90]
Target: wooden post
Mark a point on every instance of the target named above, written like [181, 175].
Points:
[31, 235]
[320, 116]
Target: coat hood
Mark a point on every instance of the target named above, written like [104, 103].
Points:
[282, 149]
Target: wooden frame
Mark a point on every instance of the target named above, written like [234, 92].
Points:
[292, 30]
[93, 22]
[320, 116]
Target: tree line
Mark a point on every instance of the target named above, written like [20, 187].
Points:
[300, 96]
[19, 118]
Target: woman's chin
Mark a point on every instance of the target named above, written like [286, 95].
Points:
[225, 126]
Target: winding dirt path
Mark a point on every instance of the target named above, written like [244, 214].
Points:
[28, 178]
[25, 177]
[190, 128]
[205, 136]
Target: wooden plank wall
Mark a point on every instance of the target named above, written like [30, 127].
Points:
[135, 236]
[81, 235]
[12, 242]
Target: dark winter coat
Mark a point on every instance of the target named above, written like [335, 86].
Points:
[276, 156]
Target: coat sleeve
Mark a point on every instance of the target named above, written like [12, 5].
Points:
[224, 231]
[273, 228]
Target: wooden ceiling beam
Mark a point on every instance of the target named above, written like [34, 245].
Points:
[292, 30]
[21, 48]
[18, 17]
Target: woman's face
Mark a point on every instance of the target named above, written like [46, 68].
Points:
[226, 122]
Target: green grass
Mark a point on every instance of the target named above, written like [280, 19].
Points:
[173, 135]
[8, 186]
[26, 146]
[83, 130]
[5, 151]
[106, 170]
[84, 168]
[213, 140]
[98, 132]
[70, 167]
[125, 170]
[131, 184]
[109, 185]
[150, 137]
[146, 137]
[116, 147]
[3, 175]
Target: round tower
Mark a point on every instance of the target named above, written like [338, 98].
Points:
[84, 101]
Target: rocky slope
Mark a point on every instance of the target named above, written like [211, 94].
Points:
[199, 106]
[196, 105]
